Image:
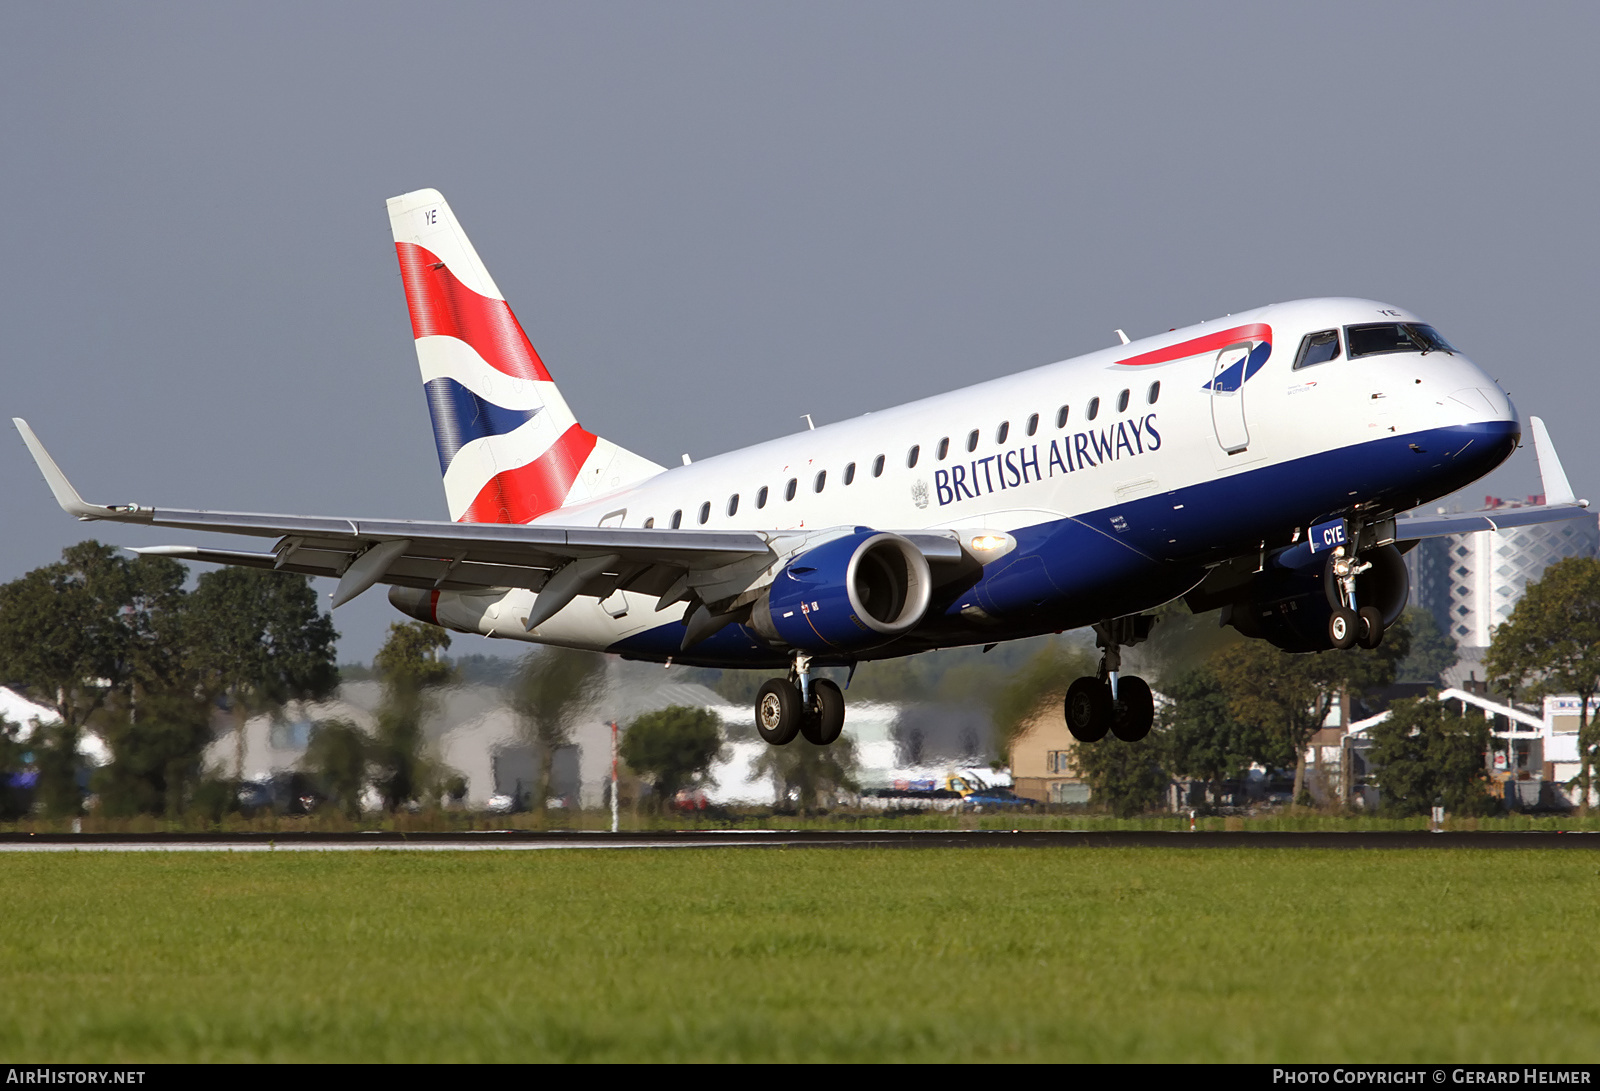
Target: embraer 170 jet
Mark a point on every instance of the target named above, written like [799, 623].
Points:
[1256, 464]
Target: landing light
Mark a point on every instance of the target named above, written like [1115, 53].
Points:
[988, 542]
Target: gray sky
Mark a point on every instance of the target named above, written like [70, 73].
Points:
[712, 218]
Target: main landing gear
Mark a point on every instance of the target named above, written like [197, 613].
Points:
[1350, 623]
[800, 705]
[1112, 701]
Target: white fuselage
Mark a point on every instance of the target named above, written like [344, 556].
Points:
[998, 456]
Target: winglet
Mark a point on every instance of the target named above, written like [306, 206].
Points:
[1557, 490]
[65, 494]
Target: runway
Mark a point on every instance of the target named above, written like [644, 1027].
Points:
[522, 840]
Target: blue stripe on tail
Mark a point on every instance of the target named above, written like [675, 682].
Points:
[460, 416]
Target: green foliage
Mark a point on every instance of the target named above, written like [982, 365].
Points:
[1289, 695]
[55, 756]
[673, 747]
[1431, 651]
[74, 633]
[409, 665]
[1551, 644]
[156, 751]
[553, 688]
[811, 774]
[1201, 738]
[13, 797]
[410, 656]
[337, 757]
[260, 637]
[1128, 778]
[1426, 753]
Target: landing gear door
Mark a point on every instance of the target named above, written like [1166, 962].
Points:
[1227, 398]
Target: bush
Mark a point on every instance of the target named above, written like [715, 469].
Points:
[1425, 753]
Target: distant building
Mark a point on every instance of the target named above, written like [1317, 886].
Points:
[1043, 762]
[1471, 582]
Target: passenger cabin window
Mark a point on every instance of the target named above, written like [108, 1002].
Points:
[761, 497]
[822, 479]
[733, 505]
[1318, 348]
[944, 448]
[677, 519]
[1094, 408]
[1155, 392]
[1381, 337]
[1002, 432]
[1061, 417]
[877, 466]
[972, 440]
[1033, 424]
[911, 455]
[705, 511]
[1122, 402]
[788, 490]
[850, 473]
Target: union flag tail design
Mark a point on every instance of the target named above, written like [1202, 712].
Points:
[509, 448]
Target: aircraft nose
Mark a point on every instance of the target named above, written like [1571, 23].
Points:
[1483, 402]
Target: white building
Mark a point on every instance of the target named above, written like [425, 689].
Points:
[1471, 582]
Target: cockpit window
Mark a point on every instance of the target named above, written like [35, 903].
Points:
[1318, 348]
[1380, 337]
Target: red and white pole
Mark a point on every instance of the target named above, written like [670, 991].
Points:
[613, 776]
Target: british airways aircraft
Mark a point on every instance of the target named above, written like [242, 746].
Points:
[1257, 464]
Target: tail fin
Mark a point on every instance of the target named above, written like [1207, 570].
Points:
[509, 448]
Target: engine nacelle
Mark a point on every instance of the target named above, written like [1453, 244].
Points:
[849, 594]
[1290, 606]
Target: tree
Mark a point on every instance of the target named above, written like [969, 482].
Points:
[156, 754]
[1424, 753]
[808, 772]
[554, 687]
[1126, 776]
[1551, 643]
[411, 656]
[673, 747]
[409, 665]
[14, 776]
[337, 757]
[92, 629]
[1432, 652]
[75, 632]
[259, 638]
[1201, 737]
[1290, 694]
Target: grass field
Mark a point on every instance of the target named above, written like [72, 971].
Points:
[963, 954]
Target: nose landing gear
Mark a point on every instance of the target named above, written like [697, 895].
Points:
[800, 705]
[1112, 701]
[1351, 623]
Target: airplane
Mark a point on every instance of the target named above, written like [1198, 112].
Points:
[1259, 464]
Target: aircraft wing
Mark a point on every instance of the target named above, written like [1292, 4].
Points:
[710, 565]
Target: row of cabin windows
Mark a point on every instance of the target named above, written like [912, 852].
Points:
[821, 480]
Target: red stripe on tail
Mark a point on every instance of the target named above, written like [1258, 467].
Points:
[442, 305]
[516, 496]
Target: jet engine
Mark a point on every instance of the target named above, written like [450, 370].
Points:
[1288, 603]
[849, 594]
